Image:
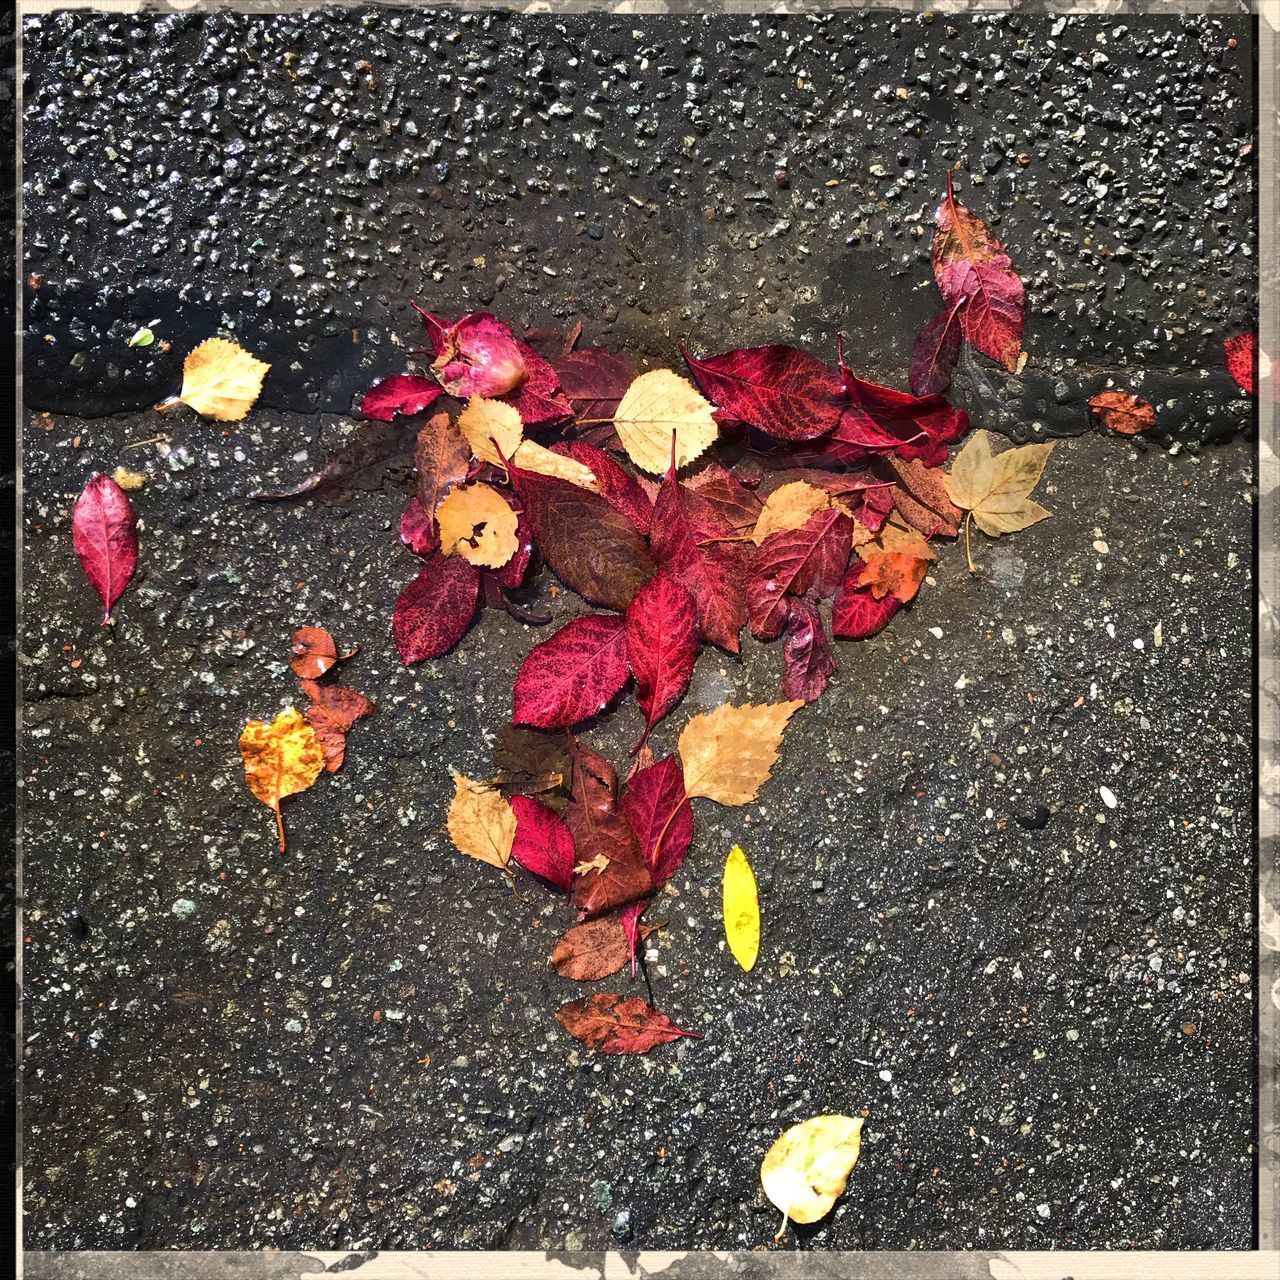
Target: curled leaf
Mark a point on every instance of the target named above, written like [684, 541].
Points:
[479, 356]
[729, 753]
[548, 462]
[104, 532]
[660, 405]
[613, 1023]
[404, 393]
[741, 905]
[281, 758]
[220, 380]
[806, 1170]
[481, 823]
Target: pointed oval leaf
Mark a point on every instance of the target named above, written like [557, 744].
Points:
[657, 809]
[543, 842]
[662, 645]
[404, 393]
[806, 1170]
[741, 905]
[855, 613]
[481, 823]
[573, 675]
[435, 610]
[104, 532]
[619, 488]
[807, 660]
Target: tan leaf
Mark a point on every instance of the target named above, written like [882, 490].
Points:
[485, 421]
[790, 506]
[477, 523]
[806, 1170]
[894, 537]
[996, 488]
[482, 824]
[728, 753]
[534, 457]
[281, 759]
[220, 380]
[657, 405]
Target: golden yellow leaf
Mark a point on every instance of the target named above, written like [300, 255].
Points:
[741, 908]
[805, 1171]
[485, 421]
[534, 457]
[657, 405]
[127, 479]
[280, 759]
[895, 536]
[477, 523]
[728, 753]
[996, 488]
[790, 506]
[220, 380]
[481, 822]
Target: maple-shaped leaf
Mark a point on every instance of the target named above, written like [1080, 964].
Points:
[1242, 361]
[856, 614]
[593, 381]
[1119, 411]
[660, 412]
[543, 842]
[895, 559]
[477, 523]
[334, 710]
[435, 610]
[597, 948]
[618, 487]
[404, 393]
[936, 350]
[281, 758]
[783, 391]
[362, 461]
[970, 264]
[493, 429]
[418, 529]
[808, 662]
[220, 380]
[793, 562]
[313, 652]
[481, 822]
[104, 532]
[613, 1023]
[729, 753]
[661, 816]
[995, 489]
[662, 646]
[921, 498]
[573, 675]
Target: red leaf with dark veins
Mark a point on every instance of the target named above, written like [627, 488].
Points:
[939, 429]
[573, 675]
[618, 487]
[418, 529]
[616, 1024]
[808, 662]
[737, 506]
[875, 508]
[104, 532]
[435, 610]
[855, 612]
[1242, 361]
[793, 562]
[936, 350]
[883, 402]
[780, 390]
[651, 797]
[538, 399]
[662, 646]
[858, 437]
[544, 843]
[405, 393]
[593, 381]
[631, 927]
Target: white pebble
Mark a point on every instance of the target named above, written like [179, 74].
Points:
[1108, 797]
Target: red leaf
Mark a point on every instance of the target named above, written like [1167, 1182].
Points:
[418, 529]
[971, 265]
[936, 430]
[631, 927]
[875, 508]
[334, 710]
[652, 796]
[405, 393]
[855, 612]
[662, 646]
[795, 562]
[511, 575]
[1242, 361]
[544, 843]
[538, 400]
[618, 1024]
[573, 675]
[618, 487]
[478, 356]
[105, 536]
[780, 390]
[737, 506]
[808, 662]
[435, 610]
[593, 381]
[883, 402]
[936, 351]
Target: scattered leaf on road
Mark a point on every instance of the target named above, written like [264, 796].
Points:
[281, 758]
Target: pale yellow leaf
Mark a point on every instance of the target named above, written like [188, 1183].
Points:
[1019, 514]
[805, 1171]
[791, 506]
[220, 380]
[741, 908]
[485, 421]
[657, 405]
[481, 822]
[996, 488]
[728, 753]
[477, 523]
[535, 457]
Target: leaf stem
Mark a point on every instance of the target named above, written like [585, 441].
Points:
[279, 823]
[968, 547]
[662, 835]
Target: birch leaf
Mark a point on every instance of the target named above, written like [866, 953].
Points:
[220, 380]
[789, 507]
[485, 421]
[996, 488]
[532, 456]
[741, 908]
[805, 1171]
[280, 759]
[657, 405]
[482, 824]
[729, 753]
[477, 523]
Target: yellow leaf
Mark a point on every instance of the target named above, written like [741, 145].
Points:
[220, 380]
[477, 523]
[127, 479]
[741, 908]
[996, 488]
[280, 759]
[485, 421]
[728, 753]
[790, 506]
[534, 457]
[482, 824]
[806, 1170]
[657, 405]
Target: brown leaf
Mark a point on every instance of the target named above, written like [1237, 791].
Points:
[922, 500]
[481, 822]
[442, 457]
[618, 1024]
[594, 950]
[334, 709]
[314, 652]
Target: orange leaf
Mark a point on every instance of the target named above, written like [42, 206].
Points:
[280, 759]
[1126, 414]
[893, 573]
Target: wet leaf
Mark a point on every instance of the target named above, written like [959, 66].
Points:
[1242, 361]
[593, 381]
[477, 523]
[856, 614]
[104, 532]
[619, 488]
[922, 500]
[729, 753]
[486, 423]
[661, 816]
[435, 610]
[634, 930]
[661, 646]
[479, 356]
[937, 348]
[881, 401]
[596, 949]
[543, 842]
[807, 660]
[741, 905]
[333, 711]
[405, 393]
[220, 380]
[658, 407]
[613, 1023]
[573, 675]
[527, 760]
[895, 559]
[722, 494]
[995, 488]
[418, 529]
[281, 758]
[1126, 414]
[313, 652]
[806, 1170]
[549, 462]
[794, 562]
[442, 458]
[481, 823]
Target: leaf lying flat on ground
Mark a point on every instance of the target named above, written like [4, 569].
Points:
[535, 457]
[527, 760]
[442, 458]
[281, 758]
[104, 532]
[574, 674]
[661, 646]
[595, 949]
[477, 523]
[856, 614]
[661, 816]
[543, 842]
[790, 506]
[807, 660]
[436, 609]
[486, 423]
[1242, 360]
[613, 1023]
[618, 487]
[1119, 411]
[405, 393]
[334, 710]
[593, 380]
[937, 348]
[794, 562]
[741, 905]
[806, 1170]
[361, 462]
[220, 380]
[658, 406]
[995, 488]
[729, 753]
[313, 652]
[922, 500]
[481, 823]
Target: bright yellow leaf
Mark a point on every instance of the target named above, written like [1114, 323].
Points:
[280, 759]
[657, 405]
[806, 1170]
[535, 457]
[481, 822]
[476, 522]
[485, 421]
[220, 380]
[729, 753]
[741, 908]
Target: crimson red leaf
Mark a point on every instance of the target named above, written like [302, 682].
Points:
[435, 610]
[544, 843]
[618, 487]
[631, 927]
[405, 393]
[478, 356]
[794, 562]
[936, 431]
[780, 390]
[662, 646]
[875, 508]
[652, 796]
[808, 662]
[1242, 360]
[593, 381]
[538, 399]
[573, 675]
[855, 612]
[104, 532]
[884, 402]
[511, 575]
[970, 264]
[418, 529]
[436, 327]
[618, 1024]
[936, 351]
